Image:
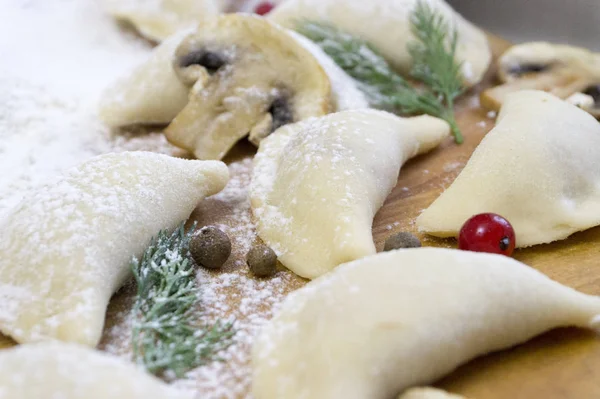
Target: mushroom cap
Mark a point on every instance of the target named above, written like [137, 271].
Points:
[385, 25]
[248, 76]
[159, 19]
[559, 69]
[549, 56]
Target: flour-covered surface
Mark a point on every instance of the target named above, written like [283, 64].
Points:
[57, 57]
[319, 183]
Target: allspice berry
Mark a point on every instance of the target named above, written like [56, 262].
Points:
[262, 261]
[402, 239]
[210, 247]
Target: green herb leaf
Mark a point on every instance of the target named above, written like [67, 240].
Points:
[434, 62]
[167, 333]
[434, 65]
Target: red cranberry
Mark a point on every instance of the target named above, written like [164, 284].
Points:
[487, 232]
[264, 8]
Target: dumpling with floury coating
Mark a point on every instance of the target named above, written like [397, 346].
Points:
[539, 168]
[67, 248]
[151, 94]
[317, 184]
[68, 371]
[380, 325]
[159, 19]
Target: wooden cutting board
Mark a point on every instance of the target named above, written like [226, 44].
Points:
[564, 363]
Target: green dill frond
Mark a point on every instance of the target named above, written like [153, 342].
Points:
[167, 333]
[434, 65]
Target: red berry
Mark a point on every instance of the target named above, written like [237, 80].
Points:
[487, 232]
[264, 8]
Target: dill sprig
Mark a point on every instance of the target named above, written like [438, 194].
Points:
[167, 333]
[434, 59]
[434, 65]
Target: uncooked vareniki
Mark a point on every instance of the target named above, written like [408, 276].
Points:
[428, 393]
[159, 19]
[385, 25]
[151, 94]
[377, 326]
[69, 371]
[317, 184]
[66, 249]
[539, 168]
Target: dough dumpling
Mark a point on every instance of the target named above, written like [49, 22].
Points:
[428, 393]
[317, 184]
[68, 371]
[66, 249]
[385, 25]
[158, 19]
[377, 326]
[539, 168]
[151, 94]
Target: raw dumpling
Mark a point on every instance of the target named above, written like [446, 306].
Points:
[66, 249]
[428, 393]
[379, 325]
[385, 25]
[69, 371]
[539, 168]
[158, 19]
[317, 184]
[151, 94]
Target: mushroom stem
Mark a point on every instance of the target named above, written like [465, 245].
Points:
[561, 84]
[236, 110]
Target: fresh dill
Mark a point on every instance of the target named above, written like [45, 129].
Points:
[434, 65]
[168, 335]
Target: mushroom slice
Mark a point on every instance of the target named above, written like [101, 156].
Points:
[159, 19]
[559, 69]
[67, 248]
[248, 76]
[317, 184]
[538, 167]
[377, 326]
[151, 94]
[385, 24]
[69, 371]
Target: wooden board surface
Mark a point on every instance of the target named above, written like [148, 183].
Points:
[564, 363]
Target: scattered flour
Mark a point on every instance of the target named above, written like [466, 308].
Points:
[57, 57]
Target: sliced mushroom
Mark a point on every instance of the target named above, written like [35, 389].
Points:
[564, 71]
[248, 76]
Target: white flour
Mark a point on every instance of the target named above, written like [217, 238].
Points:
[57, 57]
